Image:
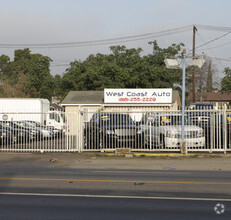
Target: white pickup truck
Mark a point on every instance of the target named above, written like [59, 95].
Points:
[164, 130]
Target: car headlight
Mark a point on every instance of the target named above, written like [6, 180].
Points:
[173, 134]
[200, 134]
[45, 131]
[33, 131]
[138, 131]
[110, 132]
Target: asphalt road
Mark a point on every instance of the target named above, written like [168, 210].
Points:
[33, 187]
[170, 183]
[59, 207]
[53, 193]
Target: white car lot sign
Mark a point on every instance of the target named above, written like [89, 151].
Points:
[151, 96]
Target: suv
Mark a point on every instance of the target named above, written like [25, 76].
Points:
[213, 123]
[164, 130]
[110, 130]
[200, 113]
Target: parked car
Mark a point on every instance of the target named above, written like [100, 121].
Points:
[43, 131]
[213, 123]
[22, 132]
[54, 131]
[200, 113]
[216, 129]
[14, 133]
[110, 130]
[201, 106]
[164, 130]
[4, 136]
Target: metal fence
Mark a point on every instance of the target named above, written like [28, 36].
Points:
[205, 130]
[37, 132]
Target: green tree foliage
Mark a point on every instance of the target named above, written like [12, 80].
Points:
[226, 81]
[123, 68]
[4, 62]
[40, 77]
[28, 75]
[18, 89]
[57, 85]
[210, 79]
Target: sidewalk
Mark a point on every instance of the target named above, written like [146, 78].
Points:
[111, 161]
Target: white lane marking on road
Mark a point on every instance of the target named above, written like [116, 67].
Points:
[138, 172]
[114, 196]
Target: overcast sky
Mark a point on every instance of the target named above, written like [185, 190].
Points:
[62, 21]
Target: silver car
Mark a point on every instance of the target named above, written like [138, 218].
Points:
[164, 130]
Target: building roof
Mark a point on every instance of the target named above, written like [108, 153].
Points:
[84, 97]
[212, 97]
[54, 106]
[96, 97]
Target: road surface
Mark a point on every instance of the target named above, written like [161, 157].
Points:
[78, 193]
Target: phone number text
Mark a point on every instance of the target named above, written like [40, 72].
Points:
[137, 99]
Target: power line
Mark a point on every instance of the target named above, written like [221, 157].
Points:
[52, 65]
[226, 29]
[221, 45]
[101, 42]
[217, 38]
[214, 28]
[120, 39]
[221, 59]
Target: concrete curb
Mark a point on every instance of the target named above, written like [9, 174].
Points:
[133, 154]
[182, 155]
[168, 155]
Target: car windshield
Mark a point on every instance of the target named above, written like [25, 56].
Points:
[29, 124]
[115, 119]
[25, 124]
[200, 106]
[33, 123]
[174, 120]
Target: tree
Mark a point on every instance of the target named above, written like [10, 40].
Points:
[57, 90]
[40, 77]
[18, 89]
[204, 78]
[123, 68]
[226, 81]
[28, 75]
[209, 79]
[4, 62]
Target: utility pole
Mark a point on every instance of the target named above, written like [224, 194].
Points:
[193, 69]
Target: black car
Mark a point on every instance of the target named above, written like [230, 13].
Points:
[111, 130]
[216, 129]
[20, 133]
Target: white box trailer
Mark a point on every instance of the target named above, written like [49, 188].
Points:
[30, 109]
